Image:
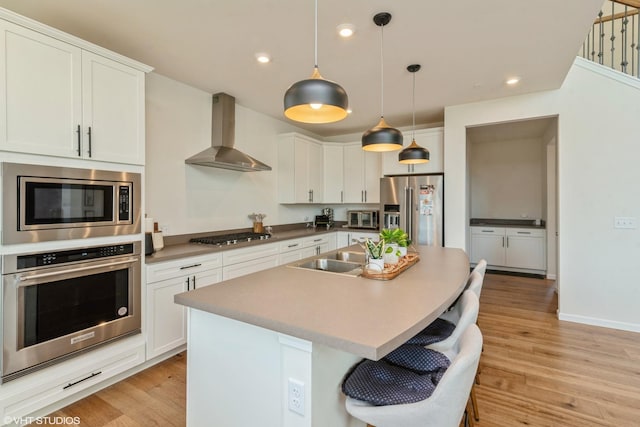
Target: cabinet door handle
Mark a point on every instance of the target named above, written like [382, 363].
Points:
[190, 266]
[310, 199]
[317, 240]
[292, 245]
[79, 144]
[365, 195]
[507, 241]
[488, 231]
[362, 195]
[193, 280]
[89, 133]
[341, 196]
[188, 283]
[503, 242]
[93, 374]
[523, 232]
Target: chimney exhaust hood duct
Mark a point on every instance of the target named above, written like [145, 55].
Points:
[221, 154]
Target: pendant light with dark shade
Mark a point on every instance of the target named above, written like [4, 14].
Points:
[414, 153]
[382, 137]
[316, 100]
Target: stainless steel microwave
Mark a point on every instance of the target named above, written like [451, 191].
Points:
[362, 219]
[43, 203]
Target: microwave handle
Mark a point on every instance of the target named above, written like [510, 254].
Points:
[74, 270]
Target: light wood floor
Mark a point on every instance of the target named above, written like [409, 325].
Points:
[539, 371]
[535, 371]
[154, 397]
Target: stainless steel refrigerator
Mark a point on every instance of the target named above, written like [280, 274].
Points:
[414, 203]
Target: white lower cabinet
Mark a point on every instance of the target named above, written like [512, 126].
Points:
[290, 251]
[526, 249]
[317, 245]
[509, 248]
[239, 262]
[33, 394]
[297, 249]
[166, 321]
[488, 243]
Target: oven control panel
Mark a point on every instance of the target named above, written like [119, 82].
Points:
[62, 257]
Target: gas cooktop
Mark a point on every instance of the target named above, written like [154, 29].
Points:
[230, 239]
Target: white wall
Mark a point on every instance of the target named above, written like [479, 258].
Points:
[506, 178]
[598, 130]
[189, 199]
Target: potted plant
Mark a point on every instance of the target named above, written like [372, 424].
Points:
[375, 253]
[397, 241]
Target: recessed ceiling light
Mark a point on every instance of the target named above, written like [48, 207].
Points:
[346, 30]
[513, 81]
[263, 57]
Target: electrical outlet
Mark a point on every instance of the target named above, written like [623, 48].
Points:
[625, 222]
[164, 228]
[296, 396]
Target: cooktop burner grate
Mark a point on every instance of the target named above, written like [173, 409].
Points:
[230, 239]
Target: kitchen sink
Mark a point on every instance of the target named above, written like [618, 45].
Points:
[331, 266]
[357, 257]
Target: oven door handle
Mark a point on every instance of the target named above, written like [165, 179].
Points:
[74, 270]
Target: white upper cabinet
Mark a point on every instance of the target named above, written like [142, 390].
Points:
[41, 93]
[361, 175]
[59, 99]
[300, 169]
[431, 139]
[112, 110]
[333, 173]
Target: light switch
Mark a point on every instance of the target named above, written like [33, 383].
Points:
[625, 222]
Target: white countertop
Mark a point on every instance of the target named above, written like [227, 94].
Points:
[365, 317]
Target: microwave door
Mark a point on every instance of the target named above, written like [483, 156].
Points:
[366, 219]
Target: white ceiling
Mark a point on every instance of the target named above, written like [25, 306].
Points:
[467, 48]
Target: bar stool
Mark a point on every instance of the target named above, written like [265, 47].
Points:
[481, 267]
[462, 315]
[445, 407]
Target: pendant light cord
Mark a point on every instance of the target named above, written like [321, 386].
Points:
[315, 59]
[413, 106]
[382, 71]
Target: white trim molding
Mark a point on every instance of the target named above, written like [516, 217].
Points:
[623, 326]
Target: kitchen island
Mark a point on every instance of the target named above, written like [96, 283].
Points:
[252, 338]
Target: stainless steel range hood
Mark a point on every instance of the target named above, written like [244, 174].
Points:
[221, 154]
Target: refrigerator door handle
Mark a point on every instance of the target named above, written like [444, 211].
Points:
[408, 195]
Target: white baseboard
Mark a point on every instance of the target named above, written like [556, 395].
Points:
[623, 326]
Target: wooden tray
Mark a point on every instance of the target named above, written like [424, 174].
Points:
[391, 271]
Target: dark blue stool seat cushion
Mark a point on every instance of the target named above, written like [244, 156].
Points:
[418, 359]
[380, 383]
[437, 331]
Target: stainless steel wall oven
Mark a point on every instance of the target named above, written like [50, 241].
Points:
[42, 203]
[58, 303]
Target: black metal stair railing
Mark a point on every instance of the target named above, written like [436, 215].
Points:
[614, 40]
